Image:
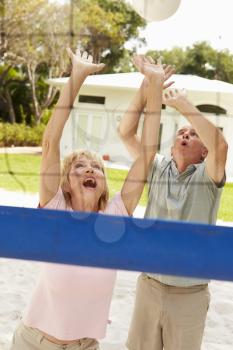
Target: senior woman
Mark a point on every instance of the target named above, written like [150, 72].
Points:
[70, 305]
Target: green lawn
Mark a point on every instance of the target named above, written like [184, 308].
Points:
[226, 206]
[21, 173]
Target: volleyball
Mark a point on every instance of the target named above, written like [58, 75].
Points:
[155, 10]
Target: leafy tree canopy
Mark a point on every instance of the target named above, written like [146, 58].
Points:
[200, 59]
[104, 26]
[35, 33]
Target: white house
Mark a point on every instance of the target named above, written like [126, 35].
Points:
[104, 98]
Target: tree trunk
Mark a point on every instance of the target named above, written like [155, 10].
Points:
[51, 93]
[32, 81]
[10, 106]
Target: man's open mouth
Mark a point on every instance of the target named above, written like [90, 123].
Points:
[90, 182]
[184, 143]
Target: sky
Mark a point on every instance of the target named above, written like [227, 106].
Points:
[195, 20]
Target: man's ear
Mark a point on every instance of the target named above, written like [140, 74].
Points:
[172, 149]
[204, 153]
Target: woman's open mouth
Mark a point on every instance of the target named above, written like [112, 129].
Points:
[90, 182]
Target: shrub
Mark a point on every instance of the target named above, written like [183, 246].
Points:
[46, 116]
[20, 135]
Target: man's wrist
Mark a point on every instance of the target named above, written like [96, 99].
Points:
[184, 107]
[155, 80]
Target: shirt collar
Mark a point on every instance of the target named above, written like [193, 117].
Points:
[190, 168]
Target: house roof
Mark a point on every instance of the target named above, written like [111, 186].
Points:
[131, 81]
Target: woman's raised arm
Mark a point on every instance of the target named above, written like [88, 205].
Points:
[82, 66]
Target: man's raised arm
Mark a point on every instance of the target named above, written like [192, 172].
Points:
[210, 135]
[128, 126]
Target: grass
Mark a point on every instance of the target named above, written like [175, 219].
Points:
[115, 181]
[21, 173]
[226, 206]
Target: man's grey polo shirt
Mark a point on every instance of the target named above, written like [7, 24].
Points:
[189, 196]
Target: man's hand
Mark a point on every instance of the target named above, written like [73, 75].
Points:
[168, 71]
[83, 62]
[176, 99]
[149, 69]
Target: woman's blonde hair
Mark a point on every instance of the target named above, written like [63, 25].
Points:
[66, 167]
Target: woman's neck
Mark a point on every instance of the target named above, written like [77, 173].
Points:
[83, 205]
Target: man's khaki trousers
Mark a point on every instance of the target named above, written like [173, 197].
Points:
[167, 317]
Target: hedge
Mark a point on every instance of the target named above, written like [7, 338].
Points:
[20, 135]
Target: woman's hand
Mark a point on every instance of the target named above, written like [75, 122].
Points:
[83, 62]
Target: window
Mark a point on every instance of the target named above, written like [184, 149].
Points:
[99, 100]
[211, 109]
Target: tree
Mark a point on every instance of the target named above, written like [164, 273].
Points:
[9, 79]
[104, 26]
[224, 66]
[12, 14]
[34, 38]
[175, 57]
[30, 42]
[200, 59]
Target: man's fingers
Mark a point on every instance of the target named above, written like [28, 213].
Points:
[171, 92]
[90, 59]
[78, 52]
[84, 55]
[169, 71]
[150, 59]
[159, 60]
[69, 52]
[167, 85]
[138, 62]
[100, 66]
